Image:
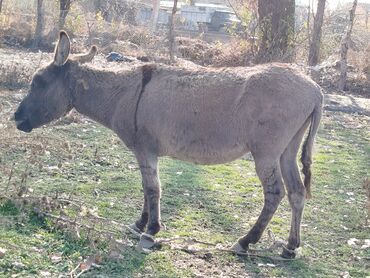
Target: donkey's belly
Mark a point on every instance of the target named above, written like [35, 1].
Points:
[206, 151]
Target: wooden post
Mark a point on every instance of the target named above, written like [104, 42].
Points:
[344, 48]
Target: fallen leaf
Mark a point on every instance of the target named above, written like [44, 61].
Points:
[56, 258]
[2, 252]
[93, 212]
[18, 265]
[268, 265]
[98, 259]
[83, 211]
[93, 260]
[352, 241]
[84, 266]
[45, 274]
[344, 274]
[35, 249]
[366, 244]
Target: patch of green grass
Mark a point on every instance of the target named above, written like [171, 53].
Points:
[216, 203]
[8, 208]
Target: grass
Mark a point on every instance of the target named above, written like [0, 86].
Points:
[211, 203]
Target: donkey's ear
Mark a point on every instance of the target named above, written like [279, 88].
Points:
[62, 49]
[87, 57]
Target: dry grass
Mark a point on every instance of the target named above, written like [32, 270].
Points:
[238, 53]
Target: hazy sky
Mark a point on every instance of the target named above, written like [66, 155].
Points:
[332, 3]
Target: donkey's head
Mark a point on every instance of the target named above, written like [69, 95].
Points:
[51, 93]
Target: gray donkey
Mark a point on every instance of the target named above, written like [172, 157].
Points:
[205, 116]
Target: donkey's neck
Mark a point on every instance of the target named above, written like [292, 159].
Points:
[98, 93]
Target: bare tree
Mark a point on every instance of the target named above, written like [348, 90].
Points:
[155, 14]
[171, 32]
[309, 22]
[39, 23]
[314, 52]
[344, 48]
[276, 23]
[64, 7]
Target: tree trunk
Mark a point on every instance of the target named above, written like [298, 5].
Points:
[276, 24]
[155, 14]
[344, 48]
[314, 53]
[1, 5]
[39, 23]
[64, 6]
[171, 33]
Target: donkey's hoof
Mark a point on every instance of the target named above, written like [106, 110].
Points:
[238, 249]
[146, 241]
[288, 254]
[135, 230]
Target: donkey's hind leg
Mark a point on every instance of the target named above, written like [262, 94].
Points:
[296, 191]
[269, 173]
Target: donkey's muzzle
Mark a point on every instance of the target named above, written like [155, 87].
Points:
[22, 122]
[24, 126]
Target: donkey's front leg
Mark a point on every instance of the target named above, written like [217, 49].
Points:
[152, 191]
[140, 224]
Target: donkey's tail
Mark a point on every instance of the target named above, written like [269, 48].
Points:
[306, 157]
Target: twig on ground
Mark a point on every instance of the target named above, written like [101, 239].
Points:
[190, 241]
[71, 274]
[225, 250]
[183, 239]
[81, 272]
[74, 222]
[10, 177]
